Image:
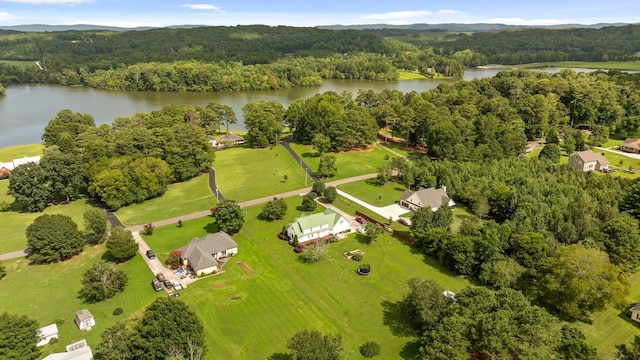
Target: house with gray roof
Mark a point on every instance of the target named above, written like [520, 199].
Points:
[588, 161]
[317, 226]
[631, 145]
[635, 312]
[206, 255]
[231, 139]
[426, 197]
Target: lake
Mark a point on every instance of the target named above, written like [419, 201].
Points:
[27, 108]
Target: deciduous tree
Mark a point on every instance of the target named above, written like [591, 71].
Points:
[330, 194]
[96, 224]
[28, 183]
[103, 281]
[327, 167]
[52, 238]
[18, 337]
[313, 345]
[229, 216]
[309, 202]
[274, 209]
[121, 244]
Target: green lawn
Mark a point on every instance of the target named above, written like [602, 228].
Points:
[14, 223]
[251, 310]
[20, 64]
[180, 199]
[19, 151]
[409, 75]
[349, 163]
[612, 143]
[371, 192]
[50, 293]
[244, 174]
[608, 65]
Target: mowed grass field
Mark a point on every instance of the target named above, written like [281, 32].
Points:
[244, 174]
[604, 65]
[50, 293]
[349, 163]
[19, 151]
[179, 199]
[266, 294]
[14, 223]
[374, 193]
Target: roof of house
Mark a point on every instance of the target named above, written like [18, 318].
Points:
[25, 160]
[636, 307]
[427, 197]
[75, 351]
[589, 156]
[328, 217]
[7, 165]
[83, 315]
[632, 143]
[231, 136]
[48, 330]
[200, 251]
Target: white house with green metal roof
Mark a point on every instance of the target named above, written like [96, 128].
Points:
[317, 226]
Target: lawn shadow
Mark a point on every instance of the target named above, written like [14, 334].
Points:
[310, 155]
[280, 356]
[363, 238]
[211, 228]
[394, 317]
[411, 350]
[374, 182]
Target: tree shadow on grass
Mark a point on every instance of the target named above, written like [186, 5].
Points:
[280, 356]
[411, 350]
[394, 317]
[211, 228]
[310, 155]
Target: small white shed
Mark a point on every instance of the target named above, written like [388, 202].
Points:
[47, 333]
[85, 320]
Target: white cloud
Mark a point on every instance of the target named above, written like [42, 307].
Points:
[6, 16]
[52, 2]
[519, 21]
[449, 12]
[202, 7]
[397, 15]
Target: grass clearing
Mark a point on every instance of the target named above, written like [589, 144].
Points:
[53, 295]
[372, 192]
[180, 199]
[19, 151]
[21, 64]
[244, 174]
[349, 163]
[410, 75]
[251, 310]
[14, 223]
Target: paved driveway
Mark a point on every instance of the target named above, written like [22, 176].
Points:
[391, 211]
[155, 265]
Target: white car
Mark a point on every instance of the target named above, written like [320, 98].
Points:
[176, 284]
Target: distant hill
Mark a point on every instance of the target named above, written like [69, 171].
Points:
[449, 26]
[83, 27]
[466, 27]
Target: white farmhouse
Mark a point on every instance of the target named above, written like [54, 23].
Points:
[317, 226]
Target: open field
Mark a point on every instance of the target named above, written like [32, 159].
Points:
[371, 192]
[266, 295]
[244, 174]
[50, 293]
[409, 75]
[612, 143]
[14, 223]
[605, 65]
[349, 163]
[20, 64]
[19, 151]
[180, 199]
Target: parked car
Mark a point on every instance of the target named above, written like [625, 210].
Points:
[168, 284]
[405, 221]
[157, 286]
[160, 277]
[176, 284]
[361, 220]
[174, 294]
[151, 255]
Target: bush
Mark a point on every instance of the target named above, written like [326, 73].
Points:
[313, 254]
[117, 311]
[370, 349]
[3, 271]
[318, 187]
[356, 257]
[148, 229]
[309, 202]
[330, 194]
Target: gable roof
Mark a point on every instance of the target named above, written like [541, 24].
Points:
[26, 160]
[200, 251]
[632, 143]
[232, 137]
[589, 156]
[328, 217]
[636, 307]
[76, 351]
[427, 197]
[82, 315]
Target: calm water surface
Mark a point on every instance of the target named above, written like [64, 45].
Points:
[26, 109]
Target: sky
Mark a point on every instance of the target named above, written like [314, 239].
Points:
[159, 13]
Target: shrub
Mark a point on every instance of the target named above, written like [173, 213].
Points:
[356, 257]
[174, 259]
[117, 311]
[318, 187]
[313, 254]
[370, 349]
[148, 229]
